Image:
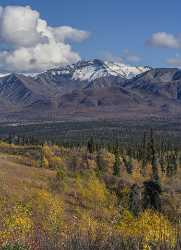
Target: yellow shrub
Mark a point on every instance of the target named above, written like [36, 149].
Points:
[56, 162]
[155, 227]
[136, 173]
[91, 227]
[47, 152]
[18, 223]
[50, 158]
[87, 223]
[48, 209]
[45, 163]
[106, 161]
[92, 191]
[150, 226]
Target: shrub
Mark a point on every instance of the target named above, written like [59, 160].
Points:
[48, 211]
[150, 226]
[105, 161]
[20, 220]
[15, 246]
[91, 190]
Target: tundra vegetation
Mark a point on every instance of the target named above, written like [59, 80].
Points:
[89, 196]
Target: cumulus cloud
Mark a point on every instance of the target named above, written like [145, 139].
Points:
[38, 58]
[18, 26]
[164, 40]
[68, 33]
[33, 44]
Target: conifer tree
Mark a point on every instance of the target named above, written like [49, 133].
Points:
[41, 156]
[100, 167]
[116, 167]
[151, 195]
[154, 164]
[10, 139]
[91, 146]
[152, 188]
[144, 155]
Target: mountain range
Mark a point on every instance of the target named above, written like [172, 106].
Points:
[93, 89]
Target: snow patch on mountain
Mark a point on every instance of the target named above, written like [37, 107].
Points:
[96, 69]
[99, 69]
[124, 70]
[90, 71]
[4, 75]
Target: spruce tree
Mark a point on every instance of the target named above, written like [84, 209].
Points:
[101, 168]
[91, 146]
[151, 195]
[10, 139]
[154, 164]
[41, 155]
[152, 188]
[144, 155]
[116, 167]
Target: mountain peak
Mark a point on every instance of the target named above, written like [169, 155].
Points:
[91, 70]
[100, 87]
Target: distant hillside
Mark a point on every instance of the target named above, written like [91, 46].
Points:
[91, 90]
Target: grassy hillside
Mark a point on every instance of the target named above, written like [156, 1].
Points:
[52, 197]
[17, 179]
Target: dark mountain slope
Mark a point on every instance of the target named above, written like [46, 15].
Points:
[158, 82]
[91, 89]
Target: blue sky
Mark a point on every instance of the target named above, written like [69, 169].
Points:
[118, 28]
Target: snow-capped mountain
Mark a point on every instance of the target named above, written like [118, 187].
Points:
[94, 88]
[89, 71]
[95, 69]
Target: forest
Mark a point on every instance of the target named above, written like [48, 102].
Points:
[90, 193]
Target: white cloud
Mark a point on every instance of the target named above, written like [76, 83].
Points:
[18, 26]
[38, 58]
[35, 46]
[68, 33]
[108, 56]
[131, 57]
[164, 40]
[126, 57]
[174, 62]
